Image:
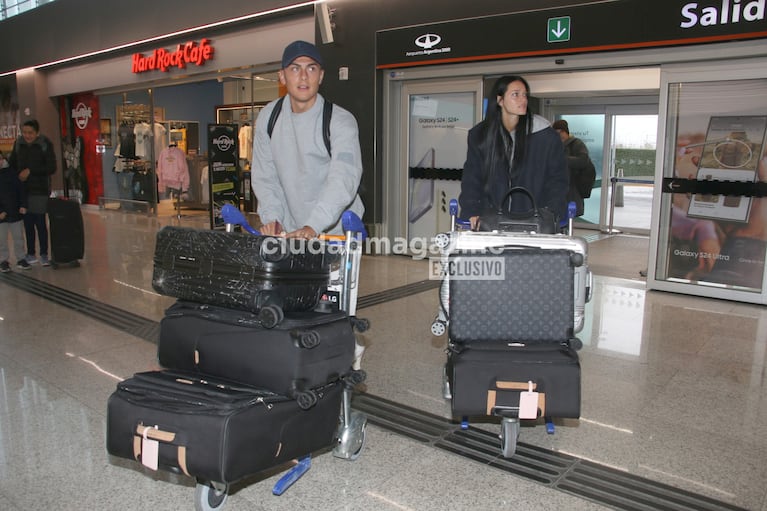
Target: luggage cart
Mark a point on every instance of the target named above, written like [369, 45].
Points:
[350, 436]
[461, 237]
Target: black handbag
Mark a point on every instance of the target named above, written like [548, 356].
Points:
[540, 221]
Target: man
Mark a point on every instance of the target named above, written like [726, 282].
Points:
[579, 163]
[35, 161]
[302, 190]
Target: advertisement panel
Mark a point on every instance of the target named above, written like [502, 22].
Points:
[223, 168]
[715, 237]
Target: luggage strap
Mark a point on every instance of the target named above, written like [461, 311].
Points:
[161, 436]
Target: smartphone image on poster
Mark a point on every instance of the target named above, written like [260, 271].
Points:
[730, 152]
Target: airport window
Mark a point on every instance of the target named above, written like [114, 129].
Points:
[10, 8]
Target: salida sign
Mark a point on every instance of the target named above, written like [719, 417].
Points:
[162, 59]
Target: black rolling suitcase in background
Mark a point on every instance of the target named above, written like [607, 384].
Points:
[262, 274]
[214, 430]
[306, 350]
[67, 233]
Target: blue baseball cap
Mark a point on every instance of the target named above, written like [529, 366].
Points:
[300, 49]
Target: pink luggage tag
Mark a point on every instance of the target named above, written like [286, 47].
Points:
[150, 450]
[528, 403]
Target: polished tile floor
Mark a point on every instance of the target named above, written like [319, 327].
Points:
[674, 390]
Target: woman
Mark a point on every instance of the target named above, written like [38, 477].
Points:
[513, 147]
[35, 160]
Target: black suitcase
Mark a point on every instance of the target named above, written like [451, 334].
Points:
[67, 234]
[307, 350]
[213, 430]
[487, 378]
[515, 293]
[241, 271]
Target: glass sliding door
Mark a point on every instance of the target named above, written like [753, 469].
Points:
[621, 140]
[633, 141]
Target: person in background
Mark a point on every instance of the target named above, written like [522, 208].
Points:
[35, 160]
[513, 147]
[301, 189]
[577, 161]
[12, 209]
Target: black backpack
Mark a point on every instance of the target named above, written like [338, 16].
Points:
[586, 179]
[327, 113]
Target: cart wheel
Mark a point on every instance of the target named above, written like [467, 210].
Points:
[207, 498]
[271, 316]
[509, 435]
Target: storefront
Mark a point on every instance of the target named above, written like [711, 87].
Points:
[137, 128]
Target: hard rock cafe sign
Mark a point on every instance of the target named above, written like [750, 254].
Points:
[191, 53]
[81, 114]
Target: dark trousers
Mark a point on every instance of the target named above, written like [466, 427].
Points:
[36, 222]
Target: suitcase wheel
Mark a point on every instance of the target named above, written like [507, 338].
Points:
[306, 399]
[355, 378]
[360, 324]
[307, 339]
[270, 316]
[209, 496]
[576, 343]
[576, 259]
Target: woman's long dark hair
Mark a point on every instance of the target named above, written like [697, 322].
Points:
[496, 141]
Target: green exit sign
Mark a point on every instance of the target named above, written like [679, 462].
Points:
[558, 29]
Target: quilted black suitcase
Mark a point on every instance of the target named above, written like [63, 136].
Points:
[488, 378]
[512, 293]
[213, 430]
[239, 270]
[307, 350]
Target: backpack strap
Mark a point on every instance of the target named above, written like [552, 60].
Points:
[275, 114]
[327, 113]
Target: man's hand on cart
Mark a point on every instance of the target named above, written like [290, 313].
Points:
[272, 229]
[304, 232]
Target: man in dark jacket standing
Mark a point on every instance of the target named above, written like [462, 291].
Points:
[577, 161]
[35, 160]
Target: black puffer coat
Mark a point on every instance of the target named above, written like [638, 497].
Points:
[12, 195]
[39, 158]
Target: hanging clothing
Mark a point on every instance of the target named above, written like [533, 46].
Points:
[245, 137]
[172, 170]
[143, 133]
[160, 139]
[204, 185]
[127, 141]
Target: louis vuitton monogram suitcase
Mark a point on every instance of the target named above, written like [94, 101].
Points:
[512, 294]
